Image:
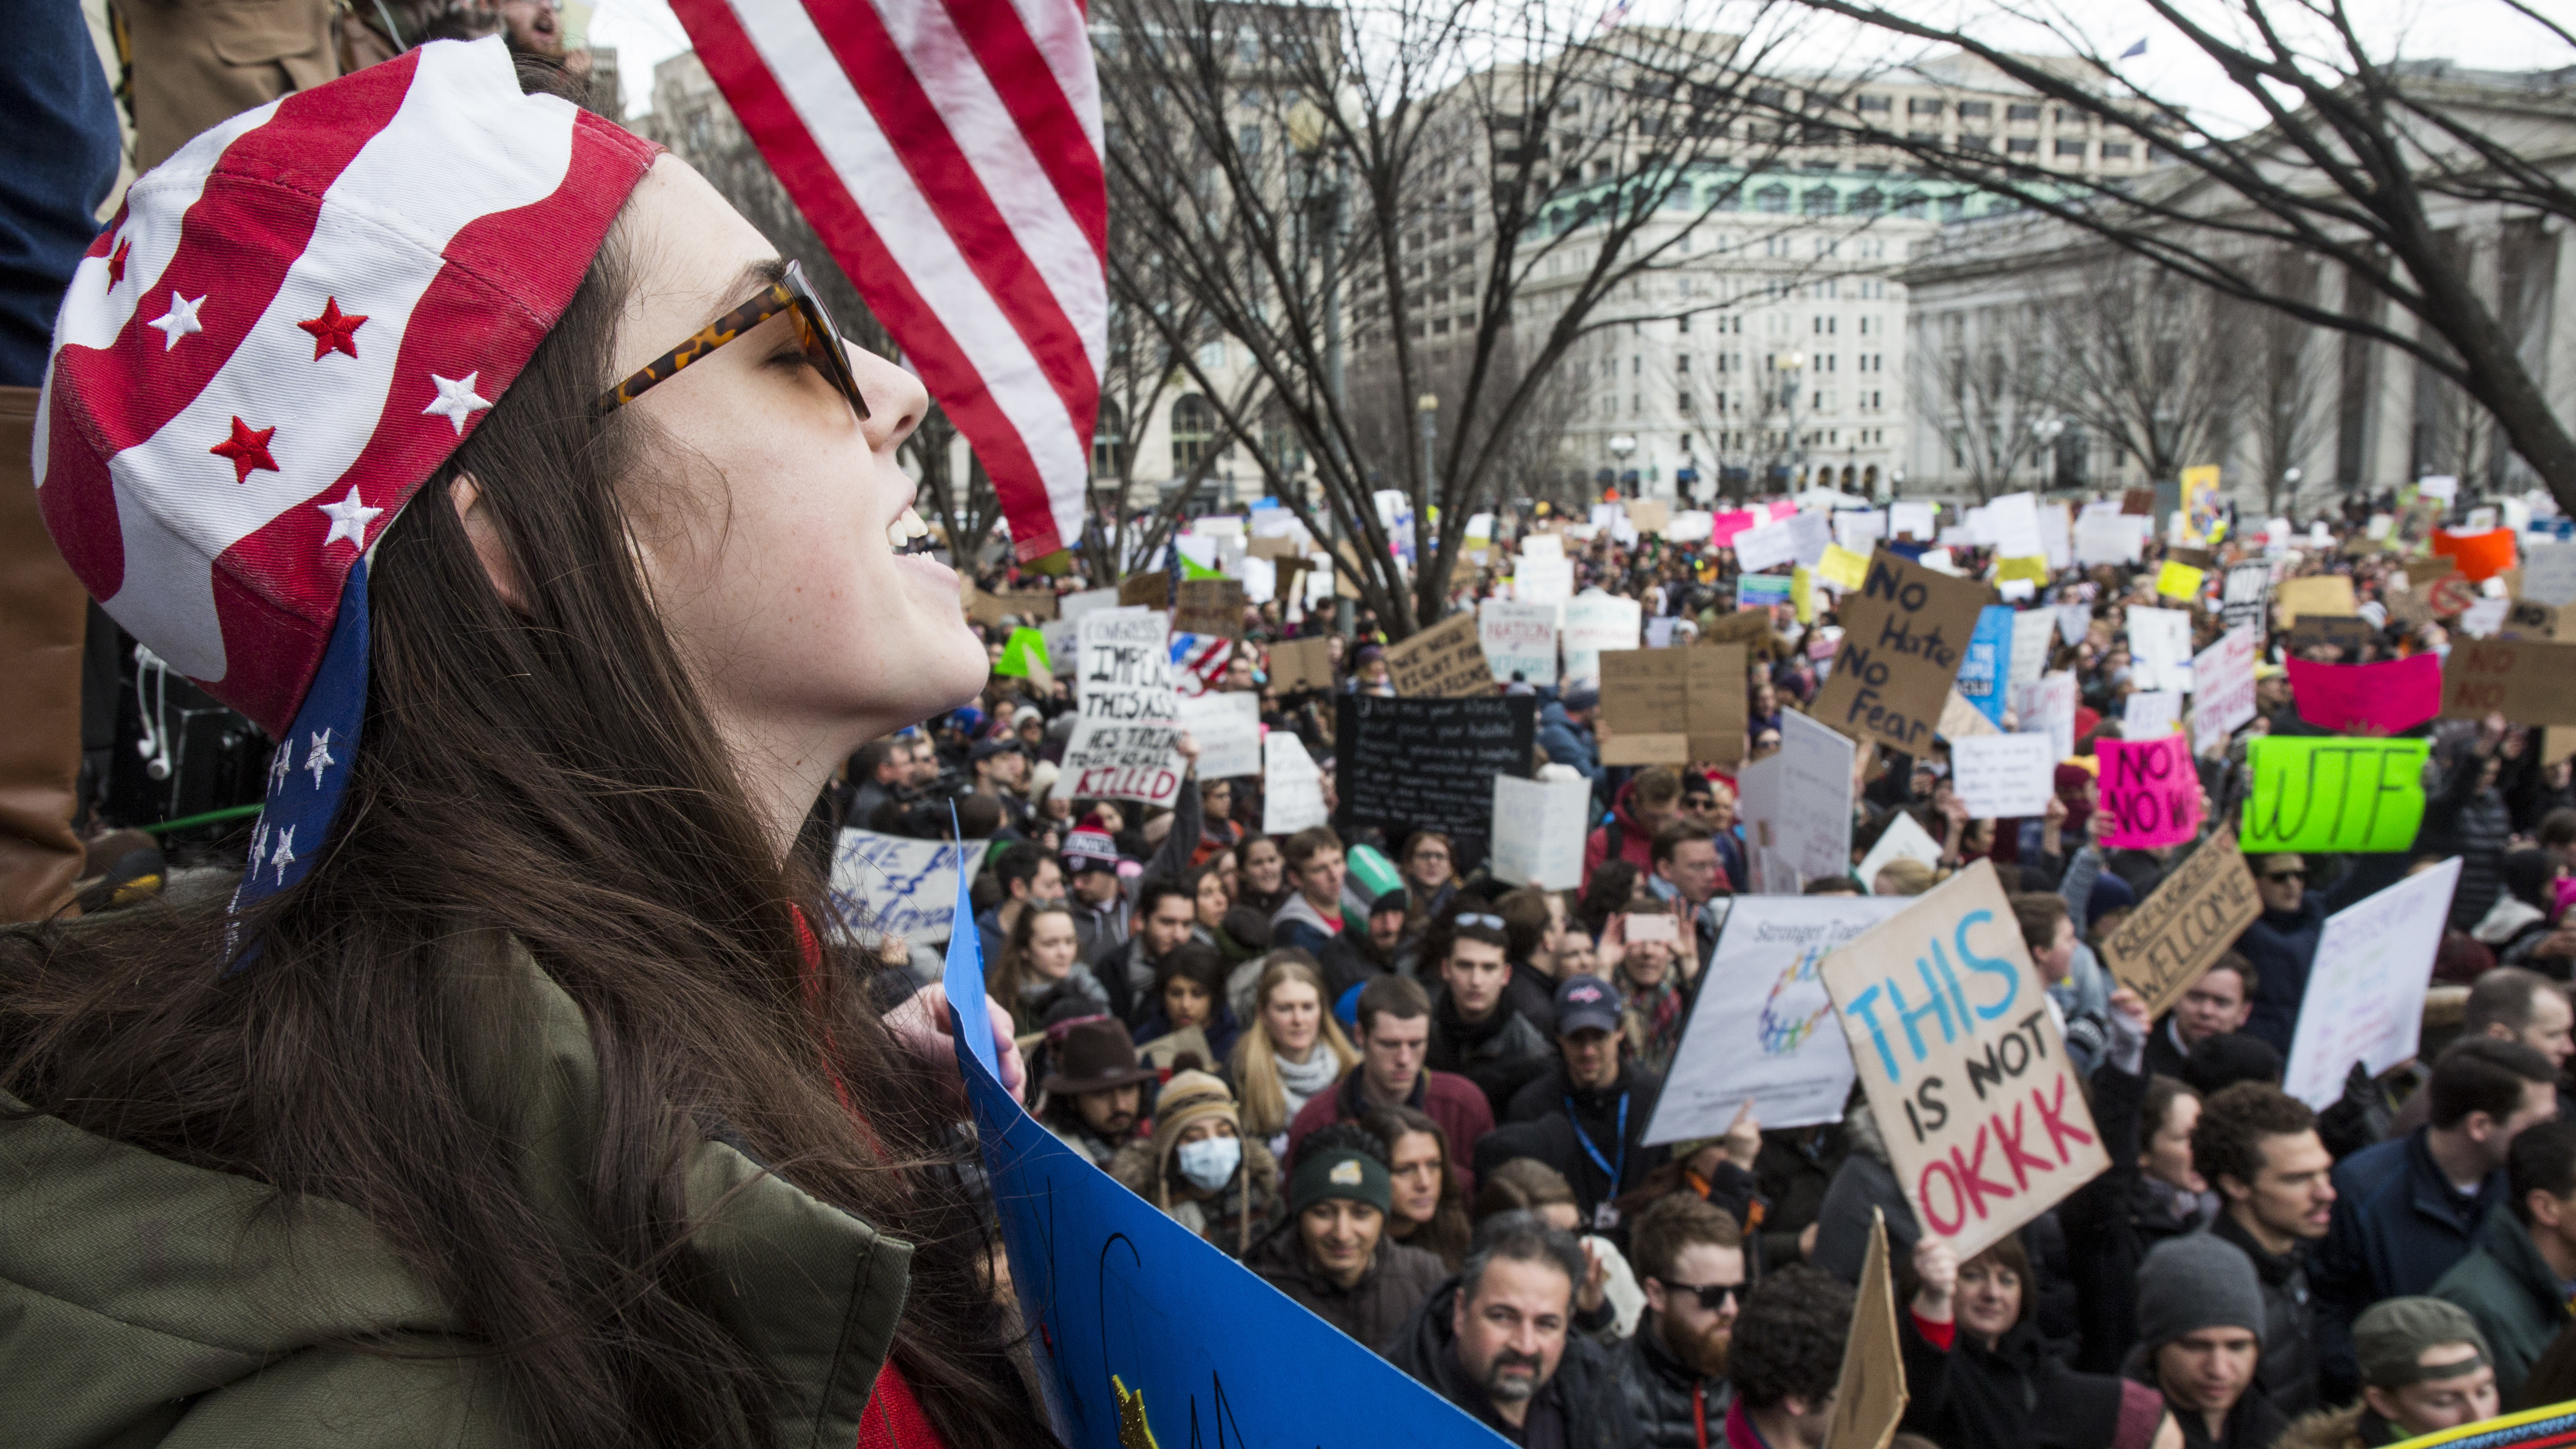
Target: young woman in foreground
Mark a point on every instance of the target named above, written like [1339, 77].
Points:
[524, 1099]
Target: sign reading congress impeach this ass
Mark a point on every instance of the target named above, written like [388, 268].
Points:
[1965, 1070]
[1905, 635]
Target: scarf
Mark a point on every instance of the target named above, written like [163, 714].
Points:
[1654, 1019]
[1300, 1081]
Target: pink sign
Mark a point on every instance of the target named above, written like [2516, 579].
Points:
[2150, 792]
[2368, 699]
[1723, 527]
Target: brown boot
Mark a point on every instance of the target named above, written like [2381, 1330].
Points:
[43, 612]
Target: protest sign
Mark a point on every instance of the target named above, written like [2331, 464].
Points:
[1649, 515]
[2150, 792]
[2047, 707]
[2325, 595]
[2012, 523]
[1429, 763]
[1595, 621]
[2326, 631]
[1982, 672]
[1906, 633]
[1154, 590]
[2185, 924]
[2365, 996]
[1767, 547]
[1518, 638]
[2160, 649]
[2242, 596]
[2004, 777]
[2178, 581]
[1870, 1392]
[2147, 713]
[1784, 1056]
[2528, 681]
[1227, 730]
[901, 886]
[2548, 575]
[2223, 674]
[1539, 827]
[1024, 656]
[2333, 794]
[2107, 538]
[1292, 789]
[1688, 702]
[2033, 633]
[1445, 661]
[1911, 520]
[1761, 591]
[2074, 621]
[1856, 529]
[1903, 839]
[2382, 698]
[1123, 744]
[1984, 1123]
[1212, 608]
[1961, 720]
[1841, 567]
[2480, 556]
[2528, 619]
[1297, 664]
[1797, 807]
[1274, 547]
[2140, 502]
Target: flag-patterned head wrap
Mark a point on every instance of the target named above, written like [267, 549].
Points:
[291, 324]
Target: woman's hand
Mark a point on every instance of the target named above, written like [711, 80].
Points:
[1937, 1268]
[925, 1023]
[1596, 1274]
[1744, 1137]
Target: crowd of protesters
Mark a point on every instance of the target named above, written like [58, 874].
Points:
[1418, 1107]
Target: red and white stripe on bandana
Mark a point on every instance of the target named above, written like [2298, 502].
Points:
[948, 152]
[290, 325]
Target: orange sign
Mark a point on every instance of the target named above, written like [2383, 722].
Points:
[2481, 556]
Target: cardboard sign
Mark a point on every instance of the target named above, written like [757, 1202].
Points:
[1784, 1055]
[2333, 794]
[1539, 827]
[1649, 515]
[2004, 777]
[1905, 635]
[2139, 502]
[2326, 594]
[2223, 674]
[899, 885]
[1657, 701]
[1124, 747]
[2528, 681]
[1961, 720]
[1870, 1394]
[2150, 792]
[2380, 699]
[1154, 590]
[1445, 661]
[1797, 808]
[1297, 664]
[2365, 996]
[1518, 638]
[2347, 636]
[2528, 619]
[2185, 924]
[1211, 608]
[1429, 763]
[1951, 1035]
[1274, 546]
[1748, 627]
[1292, 788]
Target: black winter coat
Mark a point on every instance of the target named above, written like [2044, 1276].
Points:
[1796, 1166]
[2282, 945]
[1671, 1404]
[2110, 1223]
[1585, 1390]
[1500, 1054]
[2011, 1396]
[1370, 1310]
[2288, 1372]
[1540, 1127]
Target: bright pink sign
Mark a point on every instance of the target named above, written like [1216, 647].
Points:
[2368, 699]
[2150, 792]
[1723, 527]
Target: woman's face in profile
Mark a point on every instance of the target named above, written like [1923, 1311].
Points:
[765, 533]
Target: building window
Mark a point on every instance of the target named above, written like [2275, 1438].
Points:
[1685, 403]
[2029, 145]
[1681, 362]
[1109, 442]
[1920, 106]
[1912, 204]
[2115, 150]
[1875, 103]
[1821, 201]
[1976, 110]
[1772, 198]
[2070, 148]
[1866, 202]
[1193, 432]
[1985, 144]
[2021, 113]
[1925, 136]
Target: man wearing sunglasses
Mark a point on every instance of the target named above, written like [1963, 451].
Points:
[2282, 944]
[1689, 1256]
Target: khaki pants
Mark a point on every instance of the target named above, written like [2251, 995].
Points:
[43, 613]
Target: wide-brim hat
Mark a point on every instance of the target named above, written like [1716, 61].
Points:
[1095, 1056]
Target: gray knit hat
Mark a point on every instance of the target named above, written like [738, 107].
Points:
[2194, 1282]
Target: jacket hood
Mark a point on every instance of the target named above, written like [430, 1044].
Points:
[1860, 1129]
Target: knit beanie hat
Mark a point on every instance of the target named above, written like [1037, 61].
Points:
[2194, 1282]
[1340, 1172]
[1187, 1099]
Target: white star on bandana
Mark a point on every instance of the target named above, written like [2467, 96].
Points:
[349, 519]
[319, 758]
[282, 763]
[457, 400]
[179, 321]
[285, 853]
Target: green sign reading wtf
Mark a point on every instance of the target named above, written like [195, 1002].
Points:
[2334, 794]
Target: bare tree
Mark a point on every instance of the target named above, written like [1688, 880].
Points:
[1322, 179]
[2289, 372]
[2357, 154]
[1979, 392]
[2139, 357]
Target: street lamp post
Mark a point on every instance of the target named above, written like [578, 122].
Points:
[1621, 445]
[1794, 363]
[2046, 430]
[2290, 479]
[1427, 407]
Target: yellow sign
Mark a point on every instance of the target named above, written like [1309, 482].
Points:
[2033, 567]
[2179, 581]
[1802, 592]
[1841, 567]
[2200, 507]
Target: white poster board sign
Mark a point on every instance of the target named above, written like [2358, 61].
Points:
[1539, 827]
[1797, 807]
[896, 884]
[1903, 839]
[1595, 621]
[2149, 713]
[2004, 777]
[1543, 580]
[2365, 997]
[1227, 729]
[1762, 1029]
[2160, 649]
[1292, 789]
[2034, 635]
[1124, 744]
[2224, 675]
[2549, 574]
[1519, 637]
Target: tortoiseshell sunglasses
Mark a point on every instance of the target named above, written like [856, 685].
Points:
[790, 293]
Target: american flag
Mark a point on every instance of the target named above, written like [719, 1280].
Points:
[948, 152]
[1198, 662]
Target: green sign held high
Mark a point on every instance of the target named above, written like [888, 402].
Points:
[2334, 793]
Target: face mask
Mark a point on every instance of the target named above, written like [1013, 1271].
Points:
[1210, 1162]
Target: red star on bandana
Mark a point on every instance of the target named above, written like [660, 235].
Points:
[116, 262]
[248, 448]
[333, 331]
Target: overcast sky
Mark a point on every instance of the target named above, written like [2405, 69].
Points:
[2480, 33]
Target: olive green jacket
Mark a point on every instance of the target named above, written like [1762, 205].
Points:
[147, 1302]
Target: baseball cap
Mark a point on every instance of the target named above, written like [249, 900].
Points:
[1584, 1002]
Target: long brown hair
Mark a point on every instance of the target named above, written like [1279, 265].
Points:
[555, 777]
[1448, 1233]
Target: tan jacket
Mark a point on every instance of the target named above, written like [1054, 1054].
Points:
[199, 63]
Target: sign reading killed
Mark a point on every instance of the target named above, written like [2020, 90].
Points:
[1445, 661]
[1123, 743]
[1429, 763]
[1964, 1067]
[2185, 925]
[1904, 635]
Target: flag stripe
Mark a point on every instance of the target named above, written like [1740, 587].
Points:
[1026, 85]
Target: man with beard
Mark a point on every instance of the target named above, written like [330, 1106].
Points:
[1689, 1257]
[1096, 1091]
[1493, 1340]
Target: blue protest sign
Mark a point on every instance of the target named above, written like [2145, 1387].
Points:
[1145, 1334]
[1982, 671]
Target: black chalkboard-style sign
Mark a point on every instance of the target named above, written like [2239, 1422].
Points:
[1429, 764]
